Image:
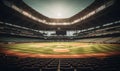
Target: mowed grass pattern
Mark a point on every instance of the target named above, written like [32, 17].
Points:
[73, 47]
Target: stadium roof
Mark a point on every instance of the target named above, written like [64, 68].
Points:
[98, 13]
[58, 8]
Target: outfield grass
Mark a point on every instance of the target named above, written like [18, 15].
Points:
[62, 48]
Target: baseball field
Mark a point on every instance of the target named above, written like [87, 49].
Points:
[60, 49]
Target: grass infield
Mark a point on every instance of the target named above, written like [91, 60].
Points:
[61, 48]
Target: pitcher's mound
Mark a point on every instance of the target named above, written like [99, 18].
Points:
[61, 50]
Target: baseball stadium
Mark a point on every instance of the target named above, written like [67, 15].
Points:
[59, 35]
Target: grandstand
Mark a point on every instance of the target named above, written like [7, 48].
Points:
[88, 40]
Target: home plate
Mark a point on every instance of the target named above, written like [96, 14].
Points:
[61, 50]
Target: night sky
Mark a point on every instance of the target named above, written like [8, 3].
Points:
[58, 8]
